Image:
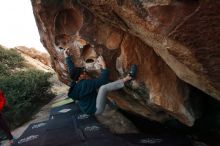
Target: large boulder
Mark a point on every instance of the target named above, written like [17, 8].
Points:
[175, 44]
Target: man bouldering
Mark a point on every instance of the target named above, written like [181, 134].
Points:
[84, 89]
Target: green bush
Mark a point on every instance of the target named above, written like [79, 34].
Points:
[10, 59]
[25, 91]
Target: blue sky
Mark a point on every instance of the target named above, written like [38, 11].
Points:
[17, 25]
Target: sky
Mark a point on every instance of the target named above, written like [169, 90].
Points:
[18, 26]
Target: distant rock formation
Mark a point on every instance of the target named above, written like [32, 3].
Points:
[35, 54]
[175, 44]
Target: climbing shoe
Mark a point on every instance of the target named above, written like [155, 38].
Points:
[133, 71]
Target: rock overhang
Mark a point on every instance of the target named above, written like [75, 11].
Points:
[160, 37]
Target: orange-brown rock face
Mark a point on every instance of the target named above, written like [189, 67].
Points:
[172, 42]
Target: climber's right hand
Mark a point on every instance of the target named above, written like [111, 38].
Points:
[66, 52]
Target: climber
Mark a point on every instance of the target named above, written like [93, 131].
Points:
[84, 89]
[3, 123]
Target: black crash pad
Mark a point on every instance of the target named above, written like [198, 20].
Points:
[156, 140]
[68, 126]
[69, 109]
[61, 121]
[32, 135]
[31, 140]
[84, 119]
[61, 137]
